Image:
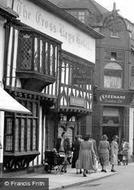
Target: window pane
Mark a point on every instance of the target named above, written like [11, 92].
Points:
[34, 134]
[41, 56]
[22, 134]
[51, 59]
[112, 82]
[46, 57]
[35, 54]
[28, 134]
[25, 52]
[17, 135]
[9, 126]
[9, 141]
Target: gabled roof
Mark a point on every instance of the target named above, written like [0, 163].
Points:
[79, 4]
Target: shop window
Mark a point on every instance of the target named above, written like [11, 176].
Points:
[21, 131]
[113, 75]
[111, 116]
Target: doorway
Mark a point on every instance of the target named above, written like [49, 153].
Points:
[110, 132]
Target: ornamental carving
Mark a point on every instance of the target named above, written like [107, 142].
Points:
[114, 22]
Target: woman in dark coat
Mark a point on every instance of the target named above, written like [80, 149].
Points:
[75, 149]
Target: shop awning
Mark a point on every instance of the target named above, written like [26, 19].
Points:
[8, 103]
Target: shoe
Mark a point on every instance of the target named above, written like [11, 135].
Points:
[84, 175]
[104, 171]
[113, 170]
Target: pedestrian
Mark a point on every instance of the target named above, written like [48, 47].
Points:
[103, 150]
[94, 156]
[94, 144]
[125, 151]
[63, 148]
[114, 152]
[75, 149]
[85, 155]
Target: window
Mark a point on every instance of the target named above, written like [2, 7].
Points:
[113, 56]
[114, 34]
[21, 131]
[76, 75]
[113, 76]
[9, 134]
[37, 53]
[111, 116]
[81, 16]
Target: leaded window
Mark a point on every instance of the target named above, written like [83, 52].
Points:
[37, 53]
[21, 130]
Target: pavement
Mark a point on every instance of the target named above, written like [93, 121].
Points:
[58, 181]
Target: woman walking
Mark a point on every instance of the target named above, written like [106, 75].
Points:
[75, 149]
[85, 155]
[114, 153]
[103, 150]
[125, 151]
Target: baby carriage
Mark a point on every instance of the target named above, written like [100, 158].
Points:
[55, 161]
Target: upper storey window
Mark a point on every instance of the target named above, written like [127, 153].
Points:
[79, 14]
[113, 56]
[37, 53]
[113, 76]
[37, 60]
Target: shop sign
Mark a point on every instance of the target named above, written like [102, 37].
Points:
[78, 102]
[114, 98]
[81, 76]
[73, 39]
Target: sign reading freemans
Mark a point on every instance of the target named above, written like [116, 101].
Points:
[74, 40]
[110, 97]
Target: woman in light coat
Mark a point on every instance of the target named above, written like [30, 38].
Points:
[103, 150]
[114, 152]
[85, 155]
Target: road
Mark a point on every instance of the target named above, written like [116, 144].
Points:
[123, 180]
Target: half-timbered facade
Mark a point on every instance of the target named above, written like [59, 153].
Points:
[49, 61]
[75, 95]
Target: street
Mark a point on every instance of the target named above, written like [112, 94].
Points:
[123, 180]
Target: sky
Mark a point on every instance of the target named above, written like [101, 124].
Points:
[125, 7]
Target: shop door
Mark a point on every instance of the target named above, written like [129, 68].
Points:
[110, 132]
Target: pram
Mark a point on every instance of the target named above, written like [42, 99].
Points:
[55, 161]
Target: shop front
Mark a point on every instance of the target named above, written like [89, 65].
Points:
[113, 113]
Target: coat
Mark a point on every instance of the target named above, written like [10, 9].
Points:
[114, 152]
[85, 155]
